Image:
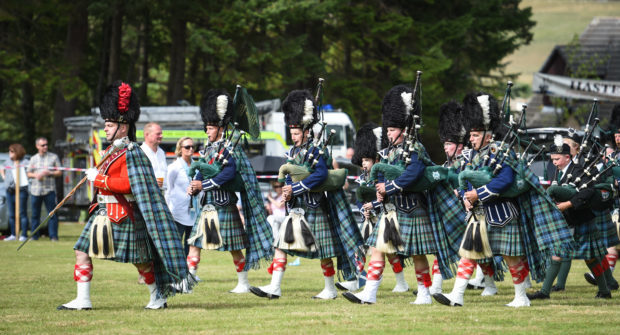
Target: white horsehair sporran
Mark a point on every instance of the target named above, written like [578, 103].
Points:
[368, 225]
[295, 234]
[388, 234]
[208, 229]
[475, 244]
[101, 237]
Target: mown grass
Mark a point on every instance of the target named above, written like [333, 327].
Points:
[557, 21]
[39, 278]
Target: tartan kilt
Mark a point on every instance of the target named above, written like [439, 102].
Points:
[415, 231]
[325, 234]
[131, 241]
[231, 229]
[607, 228]
[589, 242]
[506, 240]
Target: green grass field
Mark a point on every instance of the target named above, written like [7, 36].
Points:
[39, 277]
[557, 21]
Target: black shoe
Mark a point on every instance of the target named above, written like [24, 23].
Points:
[476, 287]
[613, 286]
[555, 288]
[590, 278]
[258, 292]
[538, 295]
[352, 298]
[603, 295]
[414, 292]
[442, 299]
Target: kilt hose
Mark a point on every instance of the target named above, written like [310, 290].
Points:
[131, 241]
[233, 234]
[415, 231]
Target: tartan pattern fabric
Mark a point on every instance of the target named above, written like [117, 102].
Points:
[445, 214]
[545, 231]
[543, 227]
[417, 233]
[231, 227]
[607, 228]
[348, 232]
[326, 237]
[131, 244]
[447, 217]
[589, 242]
[448, 221]
[506, 240]
[171, 272]
[257, 228]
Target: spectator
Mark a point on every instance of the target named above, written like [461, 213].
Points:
[16, 156]
[43, 187]
[181, 205]
[276, 208]
[152, 140]
[349, 153]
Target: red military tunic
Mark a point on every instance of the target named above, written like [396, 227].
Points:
[113, 181]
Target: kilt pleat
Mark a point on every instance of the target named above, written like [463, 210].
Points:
[589, 242]
[607, 228]
[506, 240]
[233, 234]
[415, 231]
[131, 241]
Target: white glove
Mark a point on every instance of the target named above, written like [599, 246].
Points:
[91, 174]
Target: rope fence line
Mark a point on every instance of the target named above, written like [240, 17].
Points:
[268, 176]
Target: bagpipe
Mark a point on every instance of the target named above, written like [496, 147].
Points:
[389, 240]
[211, 164]
[216, 156]
[295, 233]
[299, 169]
[366, 191]
[497, 154]
[433, 174]
[592, 152]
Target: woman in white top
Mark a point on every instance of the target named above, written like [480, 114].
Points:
[16, 155]
[177, 182]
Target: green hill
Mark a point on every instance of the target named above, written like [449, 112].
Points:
[557, 21]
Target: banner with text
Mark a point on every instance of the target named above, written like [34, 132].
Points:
[576, 88]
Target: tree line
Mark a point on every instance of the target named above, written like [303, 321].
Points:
[57, 56]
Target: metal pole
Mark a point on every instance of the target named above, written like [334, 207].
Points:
[17, 187]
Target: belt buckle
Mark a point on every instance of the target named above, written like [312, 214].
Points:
[298, 210]
[479, 210]
[208, 208]
[390, 207]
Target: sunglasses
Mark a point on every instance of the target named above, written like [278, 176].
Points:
[43, 145]
[187, 147]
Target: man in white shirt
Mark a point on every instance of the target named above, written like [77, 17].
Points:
[157, 156]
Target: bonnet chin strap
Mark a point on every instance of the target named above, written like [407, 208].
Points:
[131, 133]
